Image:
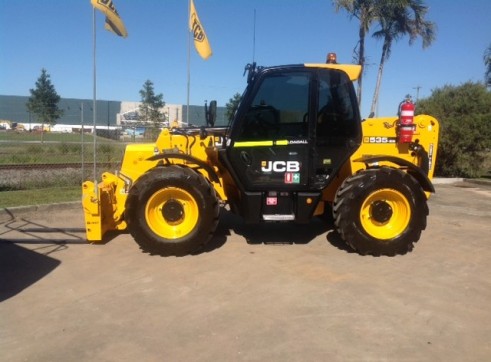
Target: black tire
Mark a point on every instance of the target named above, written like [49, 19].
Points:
[380, 211]
[327, 216]
[172, 211]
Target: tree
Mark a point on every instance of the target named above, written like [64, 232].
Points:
[398, 18]
[487, 63]
[232, 105]
[150, 107]
[44, 100]
[464, 113]
[366, 12]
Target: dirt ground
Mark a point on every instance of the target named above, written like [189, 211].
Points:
[264, 293]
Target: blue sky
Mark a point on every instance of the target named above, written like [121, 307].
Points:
[57, 35]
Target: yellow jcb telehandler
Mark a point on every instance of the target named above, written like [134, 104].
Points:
[295, 149]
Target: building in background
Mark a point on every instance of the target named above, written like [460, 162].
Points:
[111, 115]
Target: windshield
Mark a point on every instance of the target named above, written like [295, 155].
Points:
[279, 108]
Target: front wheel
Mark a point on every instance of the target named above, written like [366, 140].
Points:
[172, 211]
[380, 211]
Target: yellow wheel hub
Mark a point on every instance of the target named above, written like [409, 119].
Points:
[385, 214]
[171, 213]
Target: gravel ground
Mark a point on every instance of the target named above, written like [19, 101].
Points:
[268, 293]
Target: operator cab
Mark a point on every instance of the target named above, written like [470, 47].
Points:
[295, 127]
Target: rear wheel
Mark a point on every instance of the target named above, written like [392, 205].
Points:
[172, 211]
[380, 211]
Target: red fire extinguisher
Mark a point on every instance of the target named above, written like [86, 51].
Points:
[406, 121]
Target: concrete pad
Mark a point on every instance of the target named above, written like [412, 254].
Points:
[264, 293]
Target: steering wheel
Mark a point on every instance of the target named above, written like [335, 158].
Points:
[264, 119]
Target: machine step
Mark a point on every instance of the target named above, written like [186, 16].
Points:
[278, 217]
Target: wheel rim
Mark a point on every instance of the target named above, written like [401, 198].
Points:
[385, 214]
[171, 213]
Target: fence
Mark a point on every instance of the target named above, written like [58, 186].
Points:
[38, 160]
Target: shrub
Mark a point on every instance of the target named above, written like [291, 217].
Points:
[464, 113]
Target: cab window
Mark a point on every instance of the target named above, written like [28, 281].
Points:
[279, 108]
[336, 115]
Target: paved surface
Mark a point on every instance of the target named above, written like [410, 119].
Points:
[252, 296]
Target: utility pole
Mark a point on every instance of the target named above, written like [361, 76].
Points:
[82, 137]
[418, 87]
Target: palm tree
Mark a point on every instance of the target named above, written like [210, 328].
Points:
[487, 63]
[365, 12]
[398, 18]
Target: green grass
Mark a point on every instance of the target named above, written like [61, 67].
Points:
[45, 186]
[39, 196]
[24, 152]
[46, 137]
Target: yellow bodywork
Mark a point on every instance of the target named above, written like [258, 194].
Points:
[379, 133]
[104, 204]
[379, 138]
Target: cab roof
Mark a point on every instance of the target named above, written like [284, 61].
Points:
[353, 70]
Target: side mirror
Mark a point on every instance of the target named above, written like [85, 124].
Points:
[211, 113]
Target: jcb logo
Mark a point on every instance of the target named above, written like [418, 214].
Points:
[198, 32]
[109, 4]
[280, 166]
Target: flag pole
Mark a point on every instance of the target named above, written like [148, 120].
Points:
[94, 93]
[254, 39]
[189, 65]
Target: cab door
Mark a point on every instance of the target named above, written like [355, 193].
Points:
[337, 125]
[269, 148]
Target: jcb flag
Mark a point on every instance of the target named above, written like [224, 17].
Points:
[200, 39]
[113, 21]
